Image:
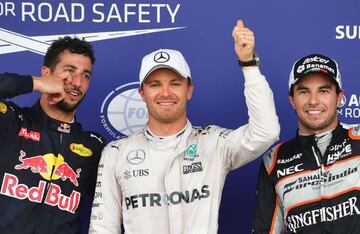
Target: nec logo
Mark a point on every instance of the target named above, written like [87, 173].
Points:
[289, 170]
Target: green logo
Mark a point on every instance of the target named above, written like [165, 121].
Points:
[191, 151]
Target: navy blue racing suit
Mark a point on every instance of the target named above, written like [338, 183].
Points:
[46, 166]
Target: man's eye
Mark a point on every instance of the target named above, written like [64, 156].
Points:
[324, 91]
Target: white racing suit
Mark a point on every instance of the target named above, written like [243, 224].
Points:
[174, 184]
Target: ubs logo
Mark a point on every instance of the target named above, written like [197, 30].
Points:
[136, 157]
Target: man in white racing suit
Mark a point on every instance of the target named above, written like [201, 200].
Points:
[168, 177]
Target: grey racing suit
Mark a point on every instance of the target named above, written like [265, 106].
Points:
[174, 184]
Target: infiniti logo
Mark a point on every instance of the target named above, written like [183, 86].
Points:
[136, 157]
[161, 57]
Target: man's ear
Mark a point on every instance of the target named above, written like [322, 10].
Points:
[190, 91]
[291, 100]
[339, 98]
[45, 71]
[141, 92]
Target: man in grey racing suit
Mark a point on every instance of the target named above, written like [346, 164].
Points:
[168, 177]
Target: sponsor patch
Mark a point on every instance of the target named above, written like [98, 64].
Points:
[81, 150]
[34, 136]
[3, 108]
[194, 167]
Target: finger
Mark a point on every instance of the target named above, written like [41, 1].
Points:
[240, 24]
[64, 75]
[55, 98]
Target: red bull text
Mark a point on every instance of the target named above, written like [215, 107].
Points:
[11, 187]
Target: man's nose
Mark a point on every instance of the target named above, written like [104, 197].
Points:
[74, 79]
[314, 99]
[165, 90]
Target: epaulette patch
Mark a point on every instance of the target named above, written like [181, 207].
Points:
[3, 108]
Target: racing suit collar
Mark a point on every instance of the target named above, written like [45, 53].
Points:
[309, 140]
[51, 123]
[176, 141]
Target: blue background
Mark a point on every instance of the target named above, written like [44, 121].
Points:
[285, 30]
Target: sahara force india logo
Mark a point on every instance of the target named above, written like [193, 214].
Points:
[50, 168]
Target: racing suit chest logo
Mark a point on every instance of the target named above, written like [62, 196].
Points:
[32, 135]
[136, 157]
[45, 164]
[81, 150]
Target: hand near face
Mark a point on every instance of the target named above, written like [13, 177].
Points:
[52, 85]
[244, 41]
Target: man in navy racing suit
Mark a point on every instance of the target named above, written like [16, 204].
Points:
[48, 163]
[310, 184]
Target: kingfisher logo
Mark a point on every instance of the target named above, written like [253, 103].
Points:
[350, 107]
[123, 112]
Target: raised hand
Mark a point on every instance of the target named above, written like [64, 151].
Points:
[52, 85]
[244, 40]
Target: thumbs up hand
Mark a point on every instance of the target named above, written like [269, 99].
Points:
[244, 40]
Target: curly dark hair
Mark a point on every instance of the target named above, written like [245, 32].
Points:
[72, 44]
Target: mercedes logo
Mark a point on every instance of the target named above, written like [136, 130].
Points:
[136, 157]
[161, 57]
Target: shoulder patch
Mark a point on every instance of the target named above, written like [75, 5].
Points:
[3, 108]
[269, 158]
[354, 132]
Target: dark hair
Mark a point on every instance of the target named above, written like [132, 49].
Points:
[72, 44]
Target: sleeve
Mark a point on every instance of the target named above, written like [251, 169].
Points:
[106, 212]
[249, 141]
[12, 85]
[268, 213]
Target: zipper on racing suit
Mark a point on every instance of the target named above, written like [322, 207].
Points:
[48, 183]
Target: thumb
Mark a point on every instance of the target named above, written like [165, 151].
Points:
[240, 24]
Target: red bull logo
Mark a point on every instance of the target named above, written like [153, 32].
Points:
[64, 127]
[45, 164]
[11, 188]
[37, 164]
[66, 172]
